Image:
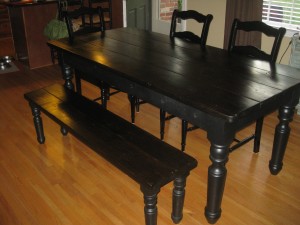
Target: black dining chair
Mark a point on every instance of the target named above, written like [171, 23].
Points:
[106, 6]
[75, 20]
[190, 37]
[64, 5]
[251, 51]
[254, 52]
[68, 5]
[76, 26]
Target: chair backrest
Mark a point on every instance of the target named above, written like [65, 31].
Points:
[71, 17]
[106, 6]
[188, 35]
[68, 5]
[253, 51]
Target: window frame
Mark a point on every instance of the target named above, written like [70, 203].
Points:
[291, 30]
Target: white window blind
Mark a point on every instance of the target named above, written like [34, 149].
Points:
[282, 13]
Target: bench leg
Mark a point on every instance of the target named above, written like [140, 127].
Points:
[178, 199]
[38, 123]
[150, 209]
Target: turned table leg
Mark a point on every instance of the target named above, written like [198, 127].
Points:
[282, 132]
[68, 76]
[38, 123]
[219, 151]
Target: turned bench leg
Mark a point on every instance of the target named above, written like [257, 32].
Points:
[38, 123]
[150, 200]
[178, 199]
[150, 209]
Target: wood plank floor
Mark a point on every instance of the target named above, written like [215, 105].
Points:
[64, 182]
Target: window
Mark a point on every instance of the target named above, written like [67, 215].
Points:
[282, 13]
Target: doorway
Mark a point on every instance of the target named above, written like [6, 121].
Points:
[155, 15]
[138, 13]
[162, 14]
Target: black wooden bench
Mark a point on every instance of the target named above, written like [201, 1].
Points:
[143, 157]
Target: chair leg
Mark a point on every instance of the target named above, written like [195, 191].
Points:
[178, 199]
[132, 100]
[108, 92]
[78, 83]
[52, 52]
[103, 97]
[38, 123]
[184, 128]
[162, 123]
[258, 130]
[150, 209]
[104, 89]
[137, 105]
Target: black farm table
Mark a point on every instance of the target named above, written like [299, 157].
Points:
[218, 92]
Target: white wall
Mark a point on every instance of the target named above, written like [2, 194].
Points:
[216, 31]
[217, 9]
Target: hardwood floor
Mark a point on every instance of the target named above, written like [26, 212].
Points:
[64, 182]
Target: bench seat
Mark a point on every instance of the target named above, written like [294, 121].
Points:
[143, 157]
